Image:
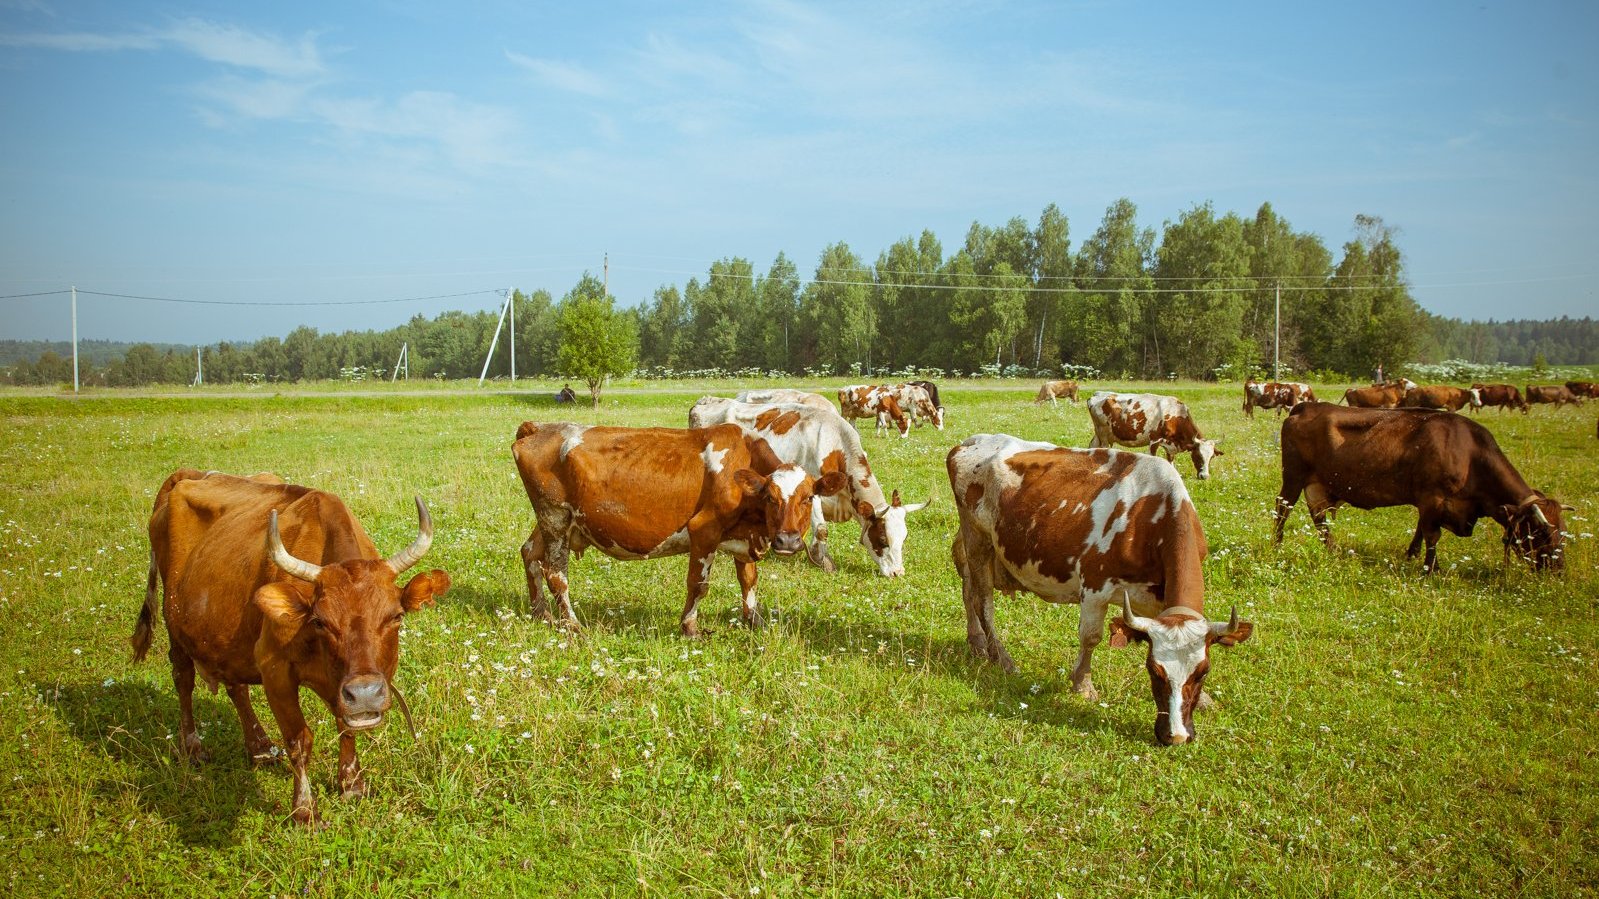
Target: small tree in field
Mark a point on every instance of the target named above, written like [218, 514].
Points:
[597, 342]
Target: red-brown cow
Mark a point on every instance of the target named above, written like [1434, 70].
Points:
[1448, 467]
[1377, 396]
[1089, 527]
[1153, 420]
[1277, 395]
[873, 401]
[1052, 391]
[1583, 389]
[1554, 394]
[1441, 396]
[273, 584]
[1503, 396]
[644, 493]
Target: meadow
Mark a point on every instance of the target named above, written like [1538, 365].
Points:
[1381, 734]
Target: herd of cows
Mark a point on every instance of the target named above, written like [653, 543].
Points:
[264, 582]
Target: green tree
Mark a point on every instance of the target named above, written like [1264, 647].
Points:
[838, 309]
[1203, 263]
[597, 341]
[1105, 323]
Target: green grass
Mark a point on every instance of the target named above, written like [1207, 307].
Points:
[1381, 734]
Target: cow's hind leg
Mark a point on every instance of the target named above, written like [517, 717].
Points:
[533, 567]
[257, 745]
[551, 555]
[1321, 506]
[183, 679]
[974, 559]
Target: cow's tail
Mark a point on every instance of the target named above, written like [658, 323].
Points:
[145, 628]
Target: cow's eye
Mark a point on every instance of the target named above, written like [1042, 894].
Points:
[318, 623]
[398, 617]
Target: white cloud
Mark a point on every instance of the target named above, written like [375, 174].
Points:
[234, 46]
[562, 76]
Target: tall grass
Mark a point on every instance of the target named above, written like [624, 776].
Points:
[1381, 733]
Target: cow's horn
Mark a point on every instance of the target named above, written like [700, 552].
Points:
[281, 557]
[1537, 512]
[1133, 621]
[409, 556]
[1222, 630]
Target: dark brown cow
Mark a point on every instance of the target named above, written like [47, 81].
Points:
[1583, 389]
[1441, 396]
[644, 493]
[273, 584]
[1503, 396]
[1089, 527]
[1277, 395]
[1051, 391]
[1554, 394]
[1448, 467]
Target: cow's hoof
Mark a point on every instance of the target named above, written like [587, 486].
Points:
[691, 632]
[1086, 690]
[1204, 702]
[354, 792]
[194, 754]
[306, 816]
[269, 754]
[754, 621]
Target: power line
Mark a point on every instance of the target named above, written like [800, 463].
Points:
[442, 296]
[43, 293]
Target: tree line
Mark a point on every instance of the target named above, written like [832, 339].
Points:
[1198, 302]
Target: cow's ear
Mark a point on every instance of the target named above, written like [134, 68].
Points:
[285, 604]
[831, 483]
[423, 589]
[1239, 634]
[749, 482]
[1509, 510]
[1122, 633]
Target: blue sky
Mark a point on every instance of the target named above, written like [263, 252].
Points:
[370, 151]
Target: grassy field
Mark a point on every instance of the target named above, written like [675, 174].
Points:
[1381, 734]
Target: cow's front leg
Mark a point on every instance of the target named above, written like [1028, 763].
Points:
[1090, 630]
[283, 695]
[748, 573]
[351, 784]
[699, 579]
[816, 552]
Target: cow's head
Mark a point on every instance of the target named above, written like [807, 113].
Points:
[1476, 397]
[1179, 643]
[883, 532]
[784, 498]
[1203, 451]
[1535, 532]
[344, 619]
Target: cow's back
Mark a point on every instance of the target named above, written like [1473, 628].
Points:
[1378, 457]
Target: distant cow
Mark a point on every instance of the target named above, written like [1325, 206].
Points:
[932, 393]
[1051, 391]
[1089, 527]
[1152, 420]
[644, 493]
[786, 395]
[1448, 467]
[875, 402]
[274, 584]
[1441, 396]
[915, 401]
[1277, 395]
[820, 441]
[1556, 394]
[1583, 389]
[1377, 396]
[1504, 396]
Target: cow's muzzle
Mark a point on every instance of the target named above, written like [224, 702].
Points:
[787, 544]
[365, 698]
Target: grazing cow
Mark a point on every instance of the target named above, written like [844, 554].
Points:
[1556, 394]
[785, 395]
[1153, 420]
[1448, 467]
[1504, 396]
[820, 442]
[1442, 396]
[915, 399]
[871, 401]
[932, 393]
[1277, 395]
[1377, 396]
[1583, 389]
[273, 584]
[1052, 390]
[1089, 527]
[644, 493]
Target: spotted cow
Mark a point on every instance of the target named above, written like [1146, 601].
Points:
[915, 400]
[873, 401]
[1277, 395]
[777, 395]
[1152, 420]
[644, 493]
[1092, 527]
[820, 441]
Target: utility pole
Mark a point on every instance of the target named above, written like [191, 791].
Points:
[510, 297]
[607, 281]
[74, 339]
[1277, 344]
[199, 369]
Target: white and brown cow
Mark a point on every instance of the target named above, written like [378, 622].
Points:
[919, 403]
[775, 395]
[1277, 395]
[820, 441]
[1152, 420]
[644, 493]
[1092, 527]
[873, 401]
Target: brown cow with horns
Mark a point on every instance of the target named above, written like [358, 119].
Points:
[273, 584]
